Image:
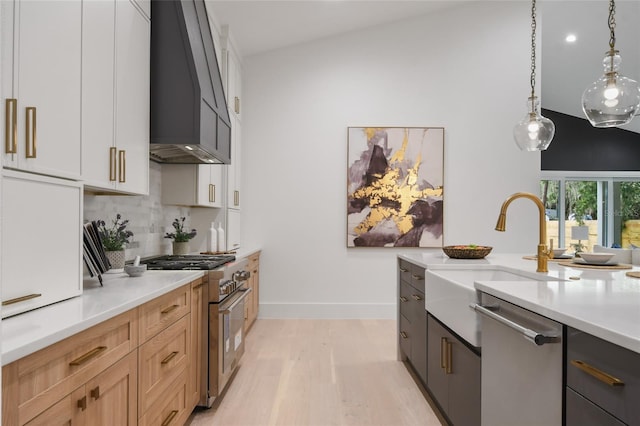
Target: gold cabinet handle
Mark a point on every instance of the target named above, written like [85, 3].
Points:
[443, 346]
[89, 355]
[403, 299]
[122, 176]
[237, 105]
[95, 392]
[236, 198]
[169, 309]
[212, 193]
[416, 297]
[403, 270]
[112, 163]
[11, 126]
[30, 132]
[417, 277]
[21, 299]
[169, 357]
[169, 418]
[82, 403]
[597, 373]
[449, 368]
[404, 335]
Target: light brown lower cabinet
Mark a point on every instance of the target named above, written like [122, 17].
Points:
[109, 374]
[253, 299]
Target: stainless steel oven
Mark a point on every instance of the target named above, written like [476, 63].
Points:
[224, 292]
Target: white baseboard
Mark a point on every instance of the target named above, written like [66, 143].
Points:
[328, 310]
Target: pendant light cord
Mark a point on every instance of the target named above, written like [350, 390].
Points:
[533, 50]
[612, 24]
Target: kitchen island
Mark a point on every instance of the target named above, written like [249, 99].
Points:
[599, 314]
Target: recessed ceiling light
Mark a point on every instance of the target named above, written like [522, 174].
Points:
[570, 38]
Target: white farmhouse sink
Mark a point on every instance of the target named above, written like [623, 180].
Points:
[449, 292]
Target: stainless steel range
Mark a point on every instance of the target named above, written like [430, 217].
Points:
[224, 291]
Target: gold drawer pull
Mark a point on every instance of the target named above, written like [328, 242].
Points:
[403, 270]
[169, 357]
[237, 105]
[403, 299]
[11, 126]
[30, 132]
[95, 392]
[169, 309]
[416, 297]
[82, 403]
[212, 193]
[86, 357]
[404, 335]
[417, 277]
[236, 198]
[169, 418]
[598, 374]
[449, 368]
[21, 299]
[122, 175]
[443, 345]
[112, 163]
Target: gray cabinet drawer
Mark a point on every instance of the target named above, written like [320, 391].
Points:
[404, 268]
[582, 412]
[411, 274]
[594, 365]
[406, 302]
[404, 337]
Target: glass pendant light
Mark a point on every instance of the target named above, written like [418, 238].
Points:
[613, 99]
[534, 132]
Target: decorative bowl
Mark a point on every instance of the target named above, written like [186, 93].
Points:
[558, 252]
[467, 252]
[135, 271]
[597, 258]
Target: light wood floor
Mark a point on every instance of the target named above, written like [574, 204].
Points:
[321, 373]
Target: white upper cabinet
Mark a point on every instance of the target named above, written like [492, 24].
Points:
[41, 51]
[115, 96]
[192, 185]
[234, 175]
[233, 89]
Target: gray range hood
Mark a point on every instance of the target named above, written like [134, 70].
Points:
[189, 118]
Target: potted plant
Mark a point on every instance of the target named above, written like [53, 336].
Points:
[180, 236]
[113, 240]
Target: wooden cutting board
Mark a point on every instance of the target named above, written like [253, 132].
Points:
[633, 274]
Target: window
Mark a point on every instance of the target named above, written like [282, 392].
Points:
[589, 208]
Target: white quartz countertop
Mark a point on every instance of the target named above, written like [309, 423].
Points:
[604, 303]
[31, 331]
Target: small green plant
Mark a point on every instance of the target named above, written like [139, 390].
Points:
[114, 237]
[180, 235]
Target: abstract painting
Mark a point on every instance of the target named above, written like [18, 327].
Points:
[394, 186]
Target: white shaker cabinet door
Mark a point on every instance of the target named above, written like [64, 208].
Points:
[209, 185]
[41, 241]
[234, 229]
[46, 87]
[133, 40]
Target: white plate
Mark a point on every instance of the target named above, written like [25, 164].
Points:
[584, 262]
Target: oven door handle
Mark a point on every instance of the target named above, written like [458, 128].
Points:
[237, 301]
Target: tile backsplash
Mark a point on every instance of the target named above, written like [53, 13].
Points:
[149, 219]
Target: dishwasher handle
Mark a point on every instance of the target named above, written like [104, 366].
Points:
[531, 335]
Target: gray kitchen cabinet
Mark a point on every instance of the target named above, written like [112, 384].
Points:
[412, 317]
[115, 97]
[453, 375]
[33, 231]
[602, 378]
[41, 74]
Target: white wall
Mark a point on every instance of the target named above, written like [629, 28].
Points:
[466, 69]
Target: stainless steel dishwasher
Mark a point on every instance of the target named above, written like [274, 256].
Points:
[521, 366]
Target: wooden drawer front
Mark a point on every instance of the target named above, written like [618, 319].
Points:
[582, 412]
[171, 408]
[36, 382]
[157, 314]
[594, 355]
[161, 360]
[254, 261]
[406, 302]
[404, 268]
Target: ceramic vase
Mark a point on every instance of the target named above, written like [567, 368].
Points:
[181, 247]
[116, 259]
